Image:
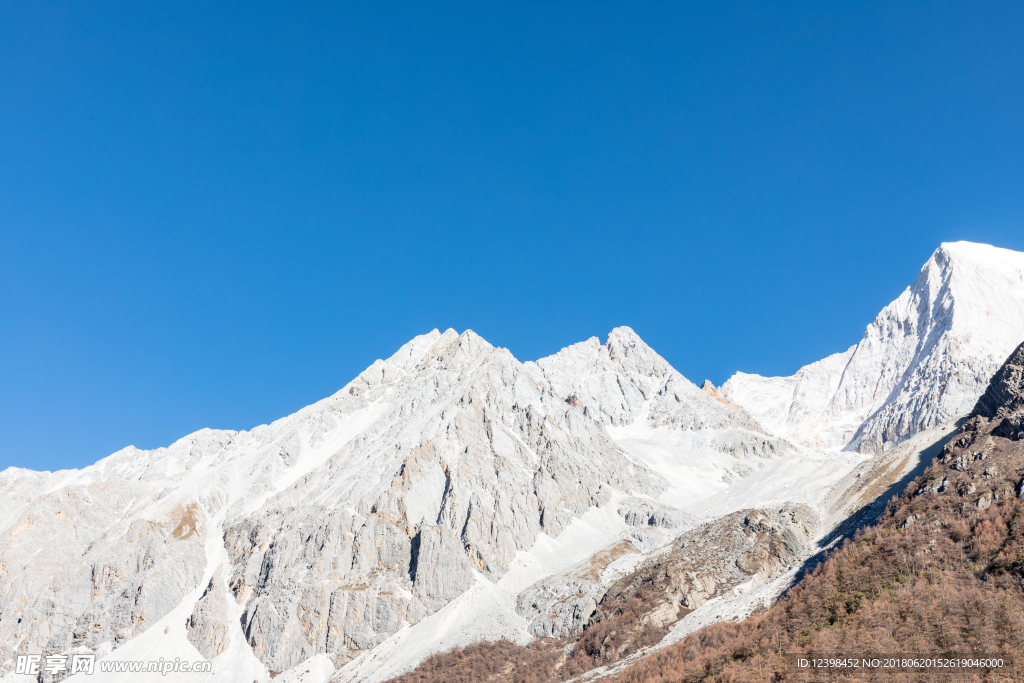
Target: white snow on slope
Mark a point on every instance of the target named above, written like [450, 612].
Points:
[699, 470]
[924, 360]
[803, 478]
[167, 639]
[486, 612]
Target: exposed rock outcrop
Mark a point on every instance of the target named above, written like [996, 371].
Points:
[943, 567]
[75, 572]
[716, 557]
[1003, 401]
[208, 627]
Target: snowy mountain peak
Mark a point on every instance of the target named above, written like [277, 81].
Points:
[925, 358]
[982, 254]
[623, 340]
[429, 501]
[435, 349]
[624, 381]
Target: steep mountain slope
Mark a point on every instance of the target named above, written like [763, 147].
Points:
[705, 592]
[940, 575]
[924, 359]
[357, 517]
[700, 443]
[634, 610]
[721, 570]
[452, 494]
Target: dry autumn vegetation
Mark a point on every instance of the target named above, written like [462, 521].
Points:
[615, 634]
[940, 573]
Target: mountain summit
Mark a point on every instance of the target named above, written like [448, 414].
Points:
[452, 494]
[923, 360]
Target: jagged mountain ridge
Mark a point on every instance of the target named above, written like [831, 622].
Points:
[428, 496]
[924, 359]
[386, 499]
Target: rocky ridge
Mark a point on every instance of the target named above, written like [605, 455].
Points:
[346, 522]
[452, 493]
[621, 613]
[923, 360]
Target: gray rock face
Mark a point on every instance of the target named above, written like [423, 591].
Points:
[446, 571]
[208, 627]
[1004, 398]
[638, 512]
[77, 573]
[472, 458]
[717, 556]
[561, 605]
[316, 580]
[700, 563]
[478, 456]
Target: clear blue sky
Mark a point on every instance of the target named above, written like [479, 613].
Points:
[213, 214]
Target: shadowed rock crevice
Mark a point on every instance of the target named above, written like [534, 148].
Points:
[414, 555]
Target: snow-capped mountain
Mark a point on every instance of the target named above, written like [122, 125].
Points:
[452, 493]
[362, 514]
[925, 359]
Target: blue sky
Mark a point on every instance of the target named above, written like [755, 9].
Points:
[213, 214]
